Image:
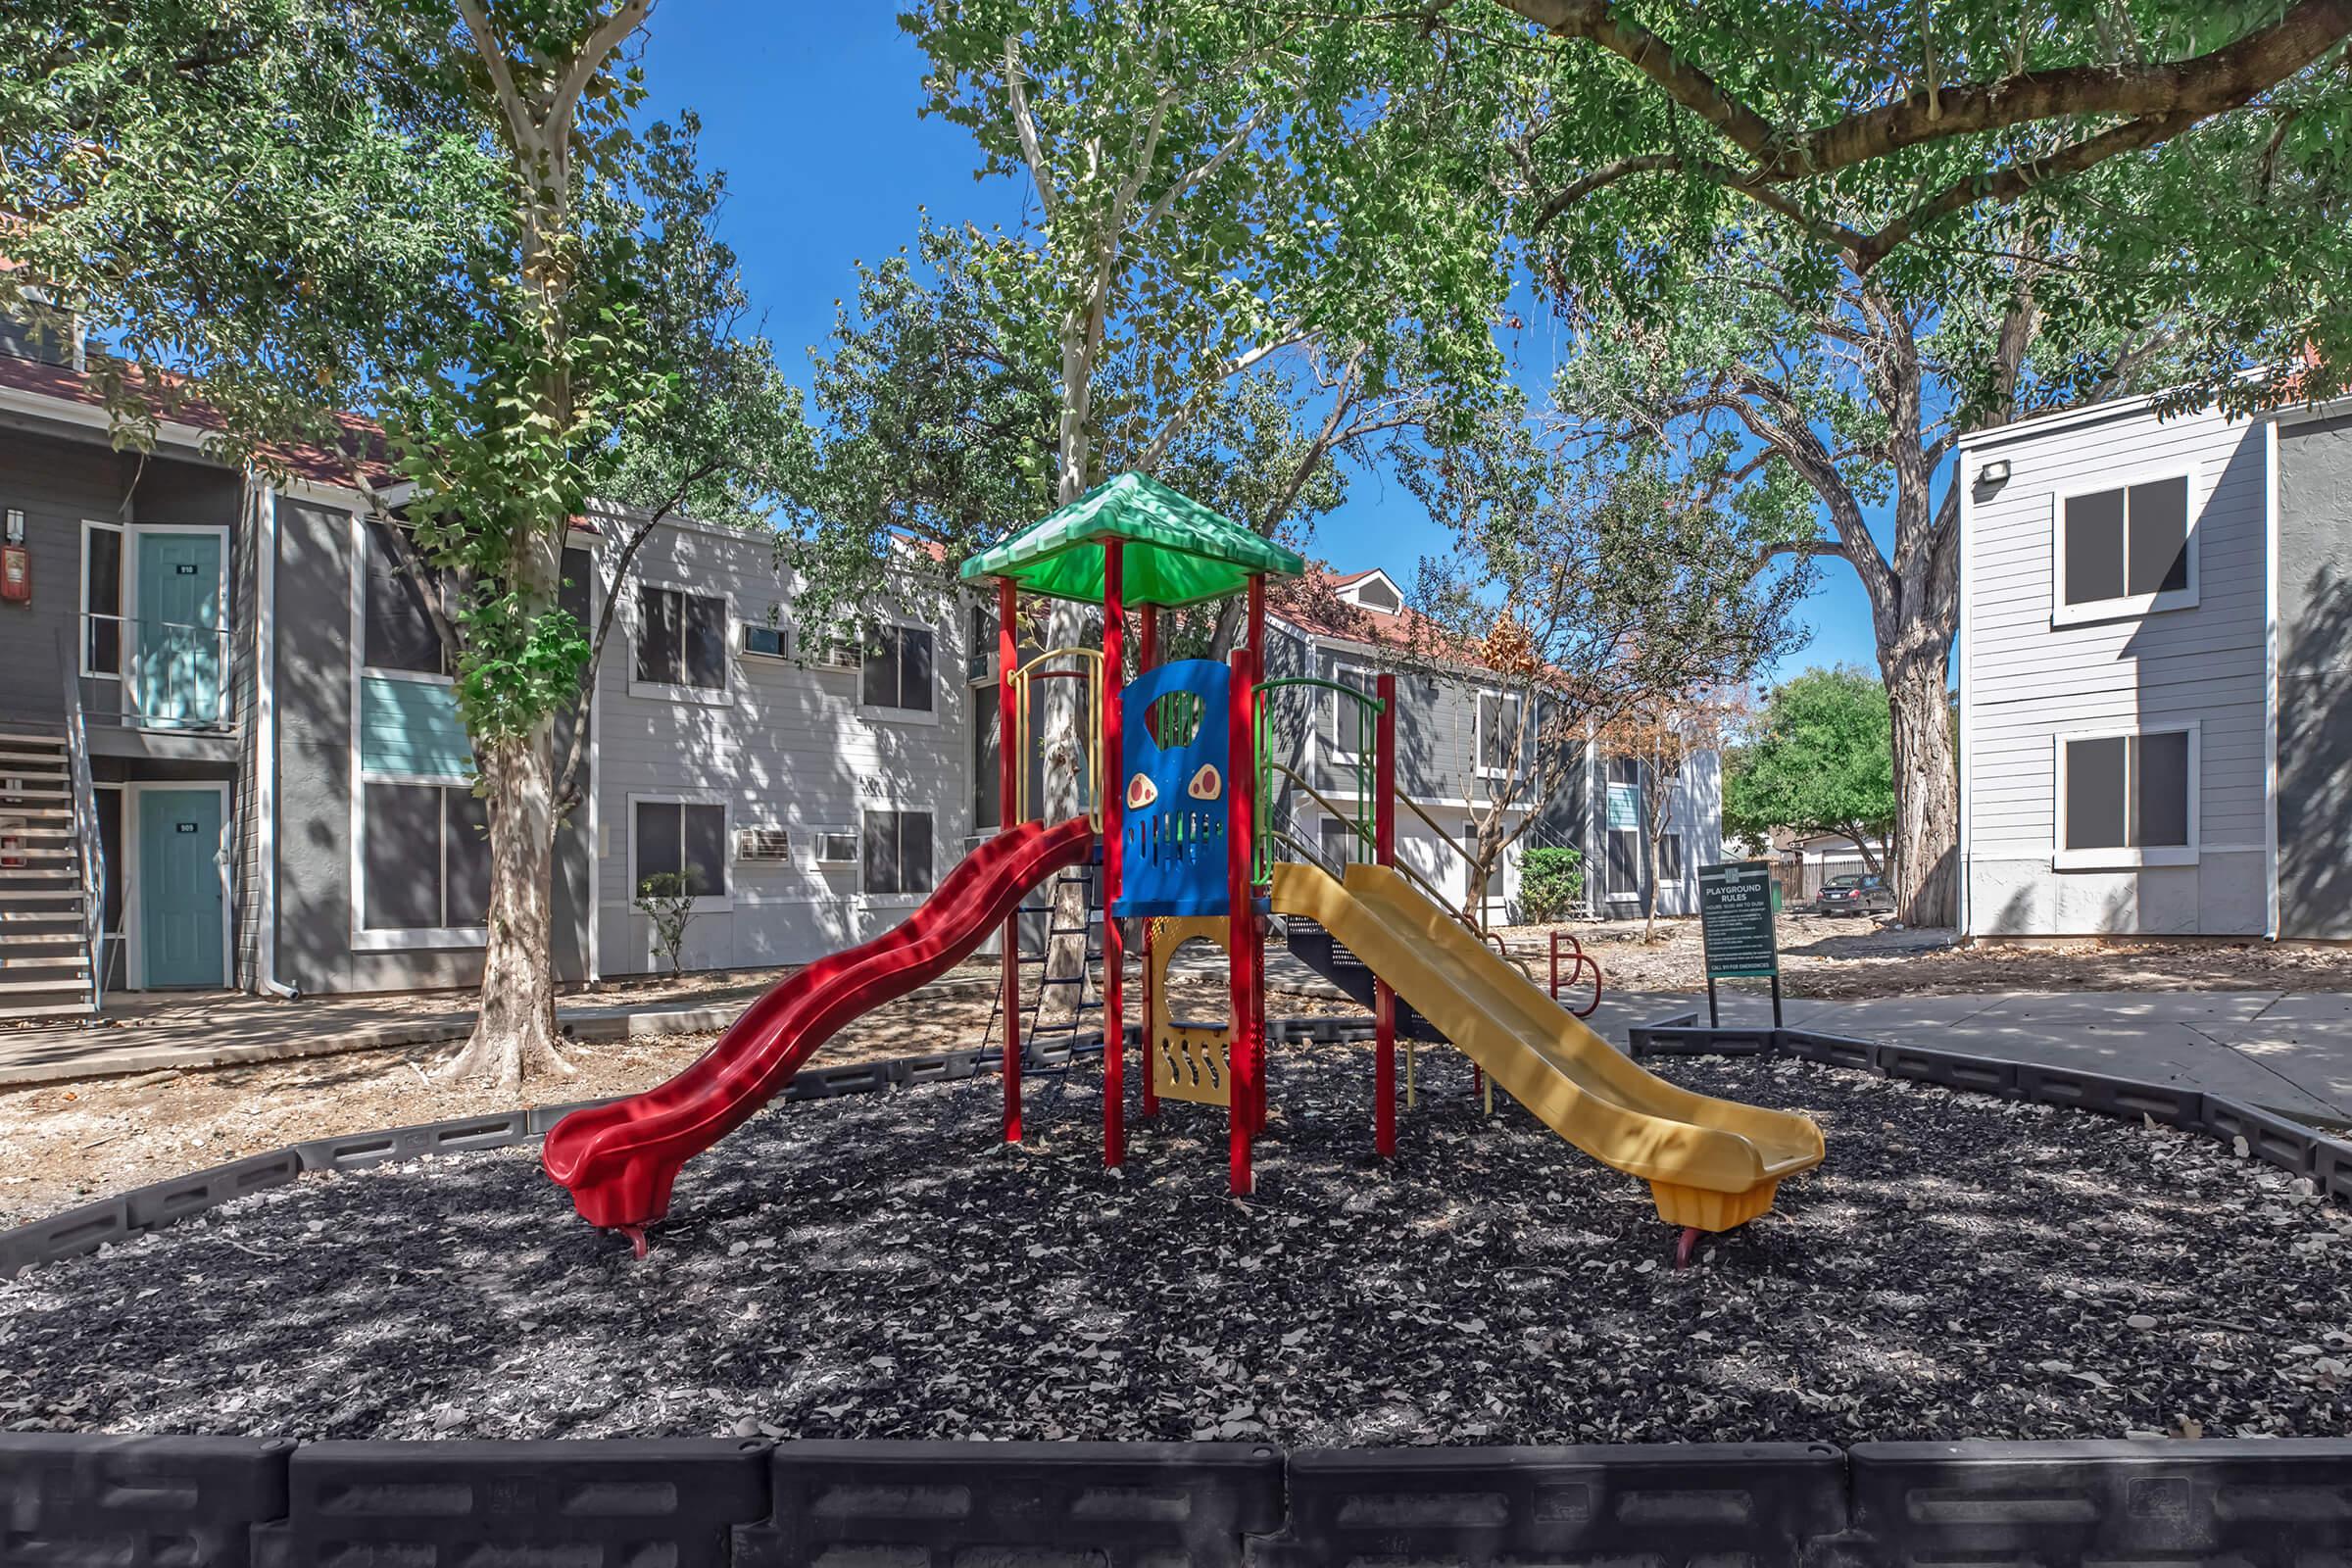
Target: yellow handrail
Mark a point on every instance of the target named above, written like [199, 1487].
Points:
[1090, 709]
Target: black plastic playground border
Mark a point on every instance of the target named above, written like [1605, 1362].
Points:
[2270, 1137]
[200, 1501]
[224, 1502]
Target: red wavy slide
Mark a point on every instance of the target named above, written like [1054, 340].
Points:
[619, 1159]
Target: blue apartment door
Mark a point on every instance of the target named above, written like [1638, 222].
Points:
[179, 887]
[176, 643]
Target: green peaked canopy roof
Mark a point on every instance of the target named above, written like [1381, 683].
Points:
[1175, 549]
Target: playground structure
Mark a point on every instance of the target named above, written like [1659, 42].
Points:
[1181, 828]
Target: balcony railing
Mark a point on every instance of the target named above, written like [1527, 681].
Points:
[154, 674]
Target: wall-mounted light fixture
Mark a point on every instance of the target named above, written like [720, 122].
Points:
[1995, 472]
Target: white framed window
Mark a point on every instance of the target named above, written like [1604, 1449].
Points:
[1670, 857]
[425, 847]
[2125, 798]
[1351, 722]
[2124, 549]
[833, 849]
[681, 645]
[685, 834]
[1498, 732]
[101, 613]
[893, 853]
[895, 678]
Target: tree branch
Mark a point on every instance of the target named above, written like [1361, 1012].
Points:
[2201, 86]
[608, 37]
[519, 123]
[1209, 166]
[1026, 126]
[2015, 180]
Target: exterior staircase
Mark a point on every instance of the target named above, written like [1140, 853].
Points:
[47, 889]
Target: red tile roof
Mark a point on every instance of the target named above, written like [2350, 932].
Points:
[317, 464]
[1312, 603]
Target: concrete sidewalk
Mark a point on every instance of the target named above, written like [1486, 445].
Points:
[2287, 1050]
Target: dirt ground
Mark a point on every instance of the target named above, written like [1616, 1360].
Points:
[66, 1144]
[1851, 958]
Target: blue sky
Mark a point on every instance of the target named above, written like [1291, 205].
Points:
[811, 110]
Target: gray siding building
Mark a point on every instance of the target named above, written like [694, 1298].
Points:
[2151, 704]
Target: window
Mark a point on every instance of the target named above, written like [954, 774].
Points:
[895, 853]
[683, 836]
[681, 639]
[1499, 723]
[399, 631]
[767, 642]
[898, 669]
[835, 848]
[2128, 798]
[1338, 842]
[763, 845]
[427, 850]
[101, 598]
[1670, 857]
[2126, 550]
[1353, 724]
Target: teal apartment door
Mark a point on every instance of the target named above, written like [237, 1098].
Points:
[178, 887]
[175, 642]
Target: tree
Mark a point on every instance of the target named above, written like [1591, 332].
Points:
[667, 898]
[435, 217]
[1817, 762]
[1663, 731]
[1619, 132]
[1588, 584]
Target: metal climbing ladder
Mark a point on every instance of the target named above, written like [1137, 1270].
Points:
[1050, 1045]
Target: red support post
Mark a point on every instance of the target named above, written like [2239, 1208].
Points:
[1113, 773]
[1009, 793]
[1257, 929]
[1147, 659]
[1241, 843]
[1384, 839]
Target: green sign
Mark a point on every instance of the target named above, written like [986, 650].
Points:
[1734, 910]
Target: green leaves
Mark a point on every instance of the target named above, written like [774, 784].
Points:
[1822, 761]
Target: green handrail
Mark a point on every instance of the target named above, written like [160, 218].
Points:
[1368, 709]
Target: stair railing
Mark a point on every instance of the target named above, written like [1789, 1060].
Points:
[85, 828]
[1088, 672]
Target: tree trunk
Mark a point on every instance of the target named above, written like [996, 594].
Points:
[1650, 905]
[1926, 790]
[515, 1035]
[1869, 862]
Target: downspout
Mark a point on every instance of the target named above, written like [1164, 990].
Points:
[265, 724]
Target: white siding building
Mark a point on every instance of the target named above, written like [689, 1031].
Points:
[811, 800]
[2117, 674]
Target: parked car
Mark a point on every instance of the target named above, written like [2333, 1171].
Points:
[1856, 894]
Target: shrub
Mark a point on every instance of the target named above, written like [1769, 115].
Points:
[663, 899]
[1551, 881]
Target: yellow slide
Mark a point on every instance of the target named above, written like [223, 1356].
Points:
[1710, 1163]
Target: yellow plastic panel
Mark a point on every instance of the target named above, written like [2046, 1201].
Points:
[1189, 1061]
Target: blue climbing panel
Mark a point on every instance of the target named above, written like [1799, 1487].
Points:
[1173, 758]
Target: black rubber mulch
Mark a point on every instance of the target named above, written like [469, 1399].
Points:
[878, 1266]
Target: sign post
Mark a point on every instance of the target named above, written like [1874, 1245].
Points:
[1735, 912]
